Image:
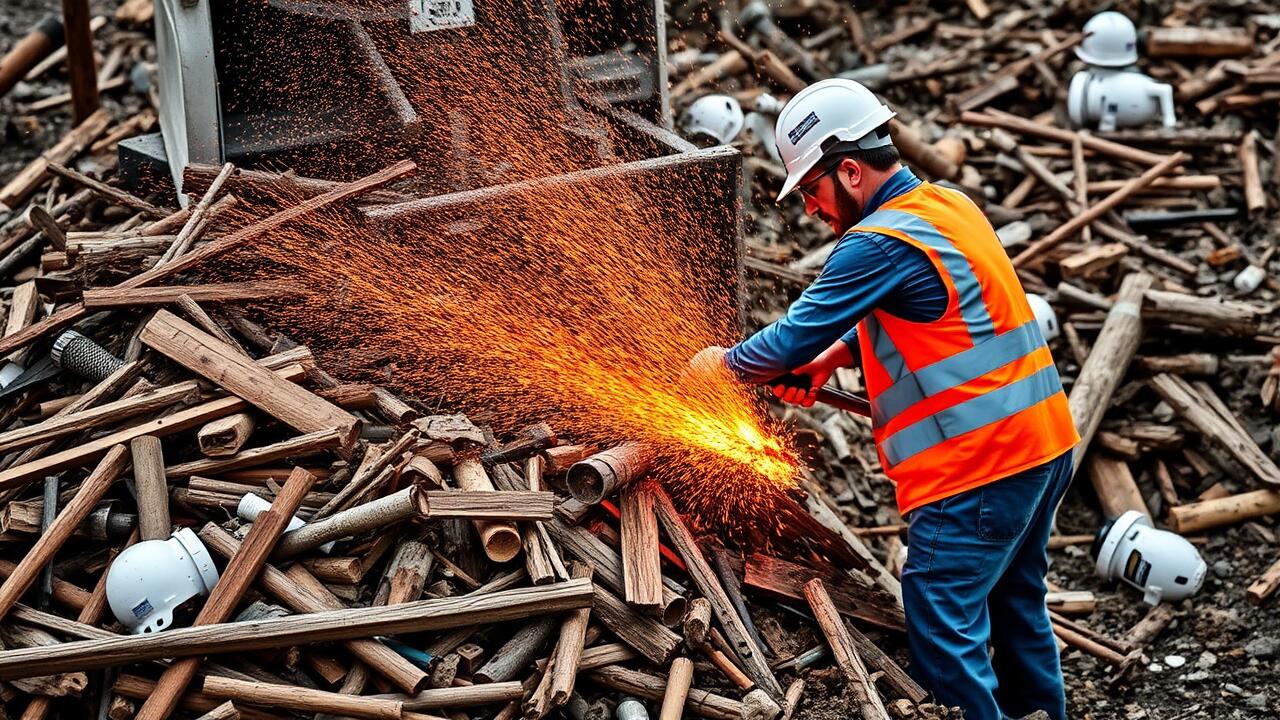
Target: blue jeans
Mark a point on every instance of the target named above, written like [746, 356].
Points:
[975, 575]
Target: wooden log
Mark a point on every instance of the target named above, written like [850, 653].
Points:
[80, 60]
[1184, 364]
[1206, 514]
[599, 476]
[70, 314]
[1199, 42]
[676, 693]
[225, 711]
[113, 297]
[293, 697]
[213, 359]
[501, 540]
[652, 687]
[916, 151]
[567, 657]
[517, 653]
[726, 65]
[451, 697]
[139, 688]
[1255, 196]
[1067, 230]
[1151, 625]
[91, 490]
[153, 491]
[225, 436]
[1107, 363]
[865, 694]
[649, 637]
[1181, 182]
[1117, 490]
[641, 562]
[1220, 316]
[302, 593]
[408, 503]
[193, 416]
[697, 622]
[21, 186]
[28, 52]
[65, 594]
[231, 586]
[1082, 642]
[1092, 259]
[111, 194]
[1210, 416]
[704, 578]
[787, 579]
[1265, 586]
[588, 548]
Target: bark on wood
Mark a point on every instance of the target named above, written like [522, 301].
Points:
[110, 297]
[213, 359]
[649, 637]
[293, 697]
[152, 489]
[1108, 361]
[568, 652]
[300, 446]
[641, 563]
[1265, 585]
[231, 586]
[325, 626]
[517, 653]
[91, 490]
[72, 422]
[705, 579]
[599, 476]
[788, 579]
[225, 711]
[864, 690]
[60, 685]
[1205, 514]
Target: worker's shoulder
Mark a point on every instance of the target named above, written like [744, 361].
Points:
[869, 245]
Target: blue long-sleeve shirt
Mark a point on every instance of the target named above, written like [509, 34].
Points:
[865, 271]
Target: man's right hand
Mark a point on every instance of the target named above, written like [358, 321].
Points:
[817, 371]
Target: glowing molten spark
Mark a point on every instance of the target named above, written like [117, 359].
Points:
[576, 303]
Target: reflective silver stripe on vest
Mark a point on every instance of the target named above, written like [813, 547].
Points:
[972, 307]
[955, 370]
[970, 415]
[888, 355]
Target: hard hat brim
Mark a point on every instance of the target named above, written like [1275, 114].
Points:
[1126, 61]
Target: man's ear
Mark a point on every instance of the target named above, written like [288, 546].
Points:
[852, 170]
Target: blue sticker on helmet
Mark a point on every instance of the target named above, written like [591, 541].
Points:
[142, 609]
[805, 126]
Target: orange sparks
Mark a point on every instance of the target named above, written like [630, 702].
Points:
[578, 303]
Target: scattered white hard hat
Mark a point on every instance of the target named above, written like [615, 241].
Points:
[149, 580]
[1110, 40]
[716, 116]
[1114, 99]
[822, 116]
[1163, 565]
[1046, 318]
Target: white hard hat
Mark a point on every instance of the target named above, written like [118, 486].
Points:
[1046, 318]
[149, 580]
[1117, 99]
[822, 116]
[716, 116]
[1163, 565]
[1110, 40]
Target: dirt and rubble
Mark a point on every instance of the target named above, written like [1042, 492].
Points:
[1216, 656]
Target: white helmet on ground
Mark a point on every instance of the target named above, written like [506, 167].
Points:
[1110, 40]
[149, 580]
[1046, 318]
[822, 116]
[716, 116]
[1163, 565]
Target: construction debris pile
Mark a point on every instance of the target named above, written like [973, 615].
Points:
[198, 518]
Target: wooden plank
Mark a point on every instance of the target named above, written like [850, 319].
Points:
[1117, 490]
[865, 694]
[153, 491]
[641, 561]
[1199, 42]
[62, 425]
[220, 363]
[112, 297]
[299, 446]
[421, 616]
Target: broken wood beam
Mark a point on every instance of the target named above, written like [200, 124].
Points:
[420, 616]
[1193, 517]
[870, 706]
[152, 489]
[1207, 413]
[649, 637]
[641, 560]
[223, 365]
[1265, 586]
[567, 656]
[1114, 484]
[113, 297]
[1108, 361]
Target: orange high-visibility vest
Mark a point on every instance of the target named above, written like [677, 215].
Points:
[973, 396]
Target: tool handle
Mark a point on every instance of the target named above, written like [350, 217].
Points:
[838, 399]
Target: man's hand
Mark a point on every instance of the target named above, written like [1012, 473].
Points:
[817, 371]
[708, 363]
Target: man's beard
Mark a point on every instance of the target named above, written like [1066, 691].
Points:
[848, 210]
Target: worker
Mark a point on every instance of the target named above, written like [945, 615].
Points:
[968, 413]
